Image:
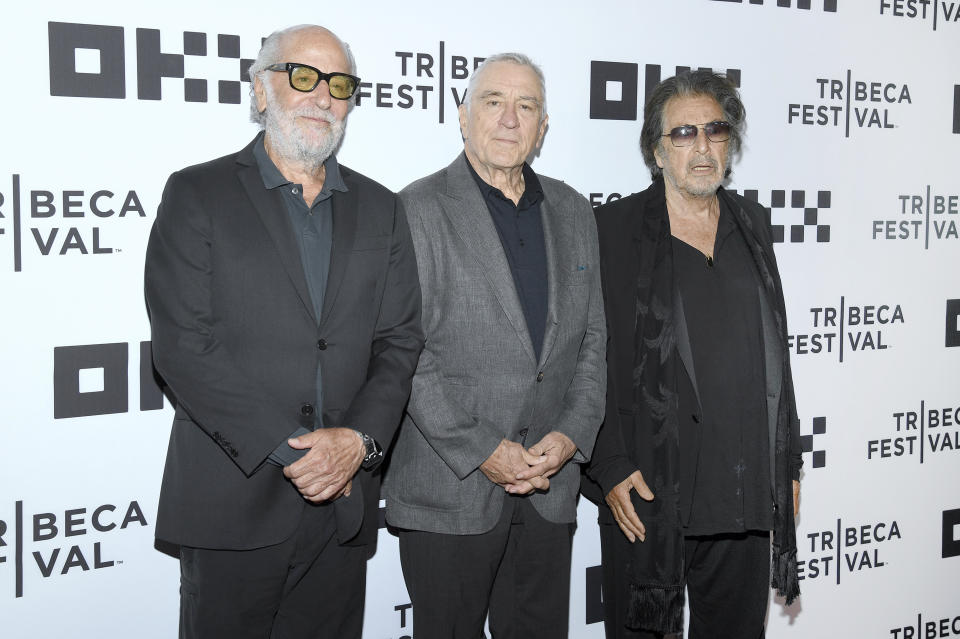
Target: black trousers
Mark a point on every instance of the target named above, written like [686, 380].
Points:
[519, 571]
[305, 587]
[727, 578]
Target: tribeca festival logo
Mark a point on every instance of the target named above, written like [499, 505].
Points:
[936, 11]
[847, 549]
[847, 328]
[851, 103]
[89, 61]
[918, 433]
[46, 543]
[614, 87]
[921, 218]
[91, 379]
[927, 628]
[51, 222]
[426, 79]
[829, 6]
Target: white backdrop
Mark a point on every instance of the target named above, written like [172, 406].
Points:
[854, 133]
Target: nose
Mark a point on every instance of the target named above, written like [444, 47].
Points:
[509, 117]
[701, 143]
[321, 95]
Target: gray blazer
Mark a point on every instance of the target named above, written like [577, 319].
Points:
[478, 380]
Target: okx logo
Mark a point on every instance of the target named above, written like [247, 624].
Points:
[803, 215]
[830, 6]
[819, 457]
[951, 533]
[89, 61]
[956, 108]
[614, 87]
[953, 323]
[92, 380]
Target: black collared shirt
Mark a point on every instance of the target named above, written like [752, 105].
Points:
[722, 309]
[520, 228]
[313, 229]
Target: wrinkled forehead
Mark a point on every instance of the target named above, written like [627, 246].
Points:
[509, 79]
[315, 46]
[690, 109]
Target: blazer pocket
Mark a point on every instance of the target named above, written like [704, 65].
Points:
[371, 243]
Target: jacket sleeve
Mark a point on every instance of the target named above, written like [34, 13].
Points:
[583, 399]
[194, 362]
[377, 407]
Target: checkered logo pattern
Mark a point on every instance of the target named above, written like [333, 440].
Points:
[806, 442]
[806, 210]
[830, 6]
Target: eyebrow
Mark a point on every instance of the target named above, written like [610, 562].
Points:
[500, 94]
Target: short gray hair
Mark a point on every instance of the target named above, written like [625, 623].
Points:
[515, 58]
[689, 84]
[270, 54]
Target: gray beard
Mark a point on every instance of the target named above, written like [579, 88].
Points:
[285, 141]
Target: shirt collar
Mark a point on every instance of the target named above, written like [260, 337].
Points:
[272, 177]
[532, 190]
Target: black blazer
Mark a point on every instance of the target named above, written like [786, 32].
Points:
[236, 339]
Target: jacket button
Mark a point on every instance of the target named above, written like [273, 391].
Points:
[322, 344]
[695, 418]
[306, 410]
[539, 377]
[523, 432]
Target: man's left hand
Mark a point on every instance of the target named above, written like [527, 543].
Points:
[548, 456]
[326, 471]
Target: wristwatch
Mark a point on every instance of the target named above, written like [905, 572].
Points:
[373, 454]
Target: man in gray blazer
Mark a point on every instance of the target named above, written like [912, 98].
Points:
[284, 308]
[510, 386]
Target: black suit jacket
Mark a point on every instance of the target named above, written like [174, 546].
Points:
[236, 339]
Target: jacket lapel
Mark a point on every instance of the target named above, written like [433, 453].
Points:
[345, 207]
[468, 214]
[556, 238]
[270, 208]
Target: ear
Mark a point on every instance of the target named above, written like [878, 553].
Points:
[543, 131]
[658, 154]
[464, 119]
[260, 93]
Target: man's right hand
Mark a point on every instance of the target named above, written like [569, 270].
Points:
[502, 466]
[623, 511]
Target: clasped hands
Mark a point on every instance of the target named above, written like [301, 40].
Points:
[520, 470]
[326, 472]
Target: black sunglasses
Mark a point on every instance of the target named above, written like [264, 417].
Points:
[305, 78]
[685, 134]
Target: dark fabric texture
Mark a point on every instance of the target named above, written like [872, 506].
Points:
[519, 572]
[236, 338]
[306, 587]
[641, 429]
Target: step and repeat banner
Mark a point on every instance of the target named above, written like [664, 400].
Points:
[853, 140]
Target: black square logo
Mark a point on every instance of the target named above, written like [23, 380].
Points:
[89, 380]
[107, 81]
[951, 533]
[613, 90]
[953, 323]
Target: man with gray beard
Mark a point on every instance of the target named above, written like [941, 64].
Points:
[285, 315]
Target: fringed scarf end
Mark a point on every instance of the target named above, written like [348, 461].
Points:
[784, 575]
[656, 608]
